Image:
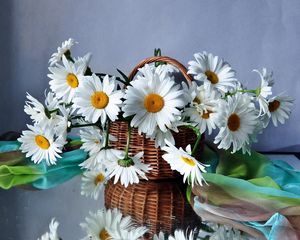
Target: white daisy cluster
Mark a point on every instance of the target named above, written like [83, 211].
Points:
[155, 104]
[46, 138]
[220, 102]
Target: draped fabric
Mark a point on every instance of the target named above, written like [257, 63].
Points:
[251, 193]
[17, 170]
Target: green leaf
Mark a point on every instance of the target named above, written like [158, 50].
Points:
[124, 76]
[189, 193]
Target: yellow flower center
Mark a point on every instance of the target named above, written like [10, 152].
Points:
[188, 161]
[99, 178]
[153, 102]
[72, 80]
[206, 114]
[212, 77]
[104, 235]
[99, 100]
[234, 122]
[42, 142]
[273, 106]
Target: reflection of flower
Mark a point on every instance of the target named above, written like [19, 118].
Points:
[110, 224]
[213, 72]
[183, 162]
[41, 144]
[65, 46]
[152, 100]
[178, 235]
[128, 170]
[224, 232]
[237, 121]
[96, 100]
[52, 234]
[93, 182]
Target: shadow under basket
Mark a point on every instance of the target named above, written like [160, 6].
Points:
[158, 205]
[153, 156]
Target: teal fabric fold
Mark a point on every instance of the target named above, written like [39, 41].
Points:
[251, 190]
[66, 168]
[16, 169]
[277, 227]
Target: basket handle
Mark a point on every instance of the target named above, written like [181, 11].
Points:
[166, 59]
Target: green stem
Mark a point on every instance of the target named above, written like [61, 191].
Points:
[128, 141]
[247, 91]
[83, 125]
[49, 112]
[107, 133]
[195, 129]
[195, 148]
[198, 134]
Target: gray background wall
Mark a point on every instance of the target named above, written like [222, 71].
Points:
[248, 34]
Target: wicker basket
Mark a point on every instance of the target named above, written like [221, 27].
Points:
[159, 205]
[139, 143]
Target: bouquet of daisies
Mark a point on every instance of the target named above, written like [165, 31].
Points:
[215, 103]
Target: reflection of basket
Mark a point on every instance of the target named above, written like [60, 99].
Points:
[159, 205]
[138, 143]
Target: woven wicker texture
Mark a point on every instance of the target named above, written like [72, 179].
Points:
[159, 205]
[138, 143]
[153, 156]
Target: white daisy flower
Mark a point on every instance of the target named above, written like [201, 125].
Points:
[180, 235]
[183, 162]
[129, 170]
[160, 236]
[236, 122]
[266, 75]
[246, 148]
[280, 109]
[213, 72]
[66, 78]
[92, 139]
[166, 68]
[41, 144]
[98, 100]
[203, 109]
[224, 232]
[85, 60]
[102, 158]
[163, 69]
[135, 233]
[107, 224]
[40, 114]
[264, 91]
[65, 46]
[159, 136]
[52, 234]
[93, 182]
[63, 122]
[152, 100]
